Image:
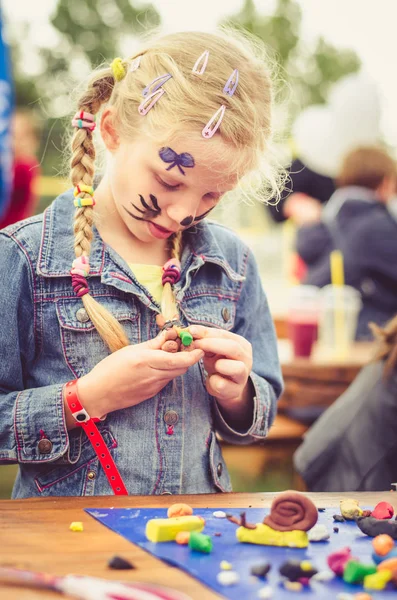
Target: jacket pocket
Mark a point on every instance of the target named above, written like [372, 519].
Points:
[219, 472]
[72, 479]
[82, 345]
[210, 310]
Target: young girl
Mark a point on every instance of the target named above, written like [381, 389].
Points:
[82, 285]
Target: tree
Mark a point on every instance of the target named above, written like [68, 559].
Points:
[310, 74]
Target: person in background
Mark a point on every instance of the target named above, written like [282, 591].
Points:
[353, 446]
[6, 103]
[357, 220]
[26, 138]
[305, 188]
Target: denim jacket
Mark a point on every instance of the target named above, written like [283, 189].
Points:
[47, 339]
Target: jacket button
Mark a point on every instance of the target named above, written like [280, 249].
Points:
[171, 417]
[44, 446]
[225, 314]
[219, 469]
[165, 493]
[82, 315]
[91, 475]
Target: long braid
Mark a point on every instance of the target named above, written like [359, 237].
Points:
[82, 173]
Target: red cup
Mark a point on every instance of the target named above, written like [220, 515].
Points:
[302, 333]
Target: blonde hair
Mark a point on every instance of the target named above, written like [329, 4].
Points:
[366, 167]
[187, 106]
[387, 350]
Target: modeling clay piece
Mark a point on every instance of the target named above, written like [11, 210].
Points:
[76, 526]
[292, 511]
[324, 576]
[350, 509]
[182, 538]
[374, 527]
[293, 586]
[265, 593]
[362, 596]
[200, 542]
[337, 560]
[219, 514]
[383, 510]
[338, 519]
[390, 564]
[179, 510]
[165, 530]
[384, 548]
[318, 533]
[377, 581]
[225, 566]
[336, 529]
[119, 563]
[295, 570]
[355, 571]
[260, 570]
[266, 536]
[299, 514]
[228, 578]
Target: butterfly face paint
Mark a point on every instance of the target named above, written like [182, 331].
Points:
[147, 212]
[168, 155]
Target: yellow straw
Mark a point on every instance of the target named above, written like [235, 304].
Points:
[338, 281]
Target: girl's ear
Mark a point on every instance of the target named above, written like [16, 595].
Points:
[109, 134]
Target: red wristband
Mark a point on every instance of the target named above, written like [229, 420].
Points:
[83, 419]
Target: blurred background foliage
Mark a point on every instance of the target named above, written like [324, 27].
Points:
[91, 32]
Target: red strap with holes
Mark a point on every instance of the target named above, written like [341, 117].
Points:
[84, 420]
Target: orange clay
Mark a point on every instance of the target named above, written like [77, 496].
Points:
[179, 510]
[362, 596]
[382, 544]
[390, 564]
[182, 538]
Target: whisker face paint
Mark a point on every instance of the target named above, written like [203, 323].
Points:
[201, 217]
[168, 155]
[146, 212]
[187, 221]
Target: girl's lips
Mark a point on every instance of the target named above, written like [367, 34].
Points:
[158, 231]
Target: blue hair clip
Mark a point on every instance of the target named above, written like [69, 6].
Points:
[156, 84]
[231, 84]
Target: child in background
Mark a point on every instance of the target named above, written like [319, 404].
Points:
[357, 221]
[87, 283]
[25, 136]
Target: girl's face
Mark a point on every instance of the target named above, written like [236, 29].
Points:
[159, 190]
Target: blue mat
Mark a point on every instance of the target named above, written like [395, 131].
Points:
[131, 523]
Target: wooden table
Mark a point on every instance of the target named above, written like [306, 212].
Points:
[318, 381]
[34, 534]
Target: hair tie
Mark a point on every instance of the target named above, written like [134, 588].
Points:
[83, 188]
[171, 271]
[118, 69]
[84, 120]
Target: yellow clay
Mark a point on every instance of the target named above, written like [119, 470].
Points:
[76, 526]
[266, 536]
[225, 566]
[377, 581]
[350, 509]
[165, 530]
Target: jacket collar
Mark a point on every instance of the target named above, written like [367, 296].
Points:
[56, 252]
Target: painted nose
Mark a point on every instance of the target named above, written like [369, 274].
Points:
[186, 221]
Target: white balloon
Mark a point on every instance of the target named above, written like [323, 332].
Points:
[324, 134]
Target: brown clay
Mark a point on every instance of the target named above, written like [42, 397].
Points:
[292, 511]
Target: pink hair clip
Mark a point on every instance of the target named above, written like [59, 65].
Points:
[135, 64]
[148, 102]
[156, 84]
[201, 63]
[231, 84]
[213, 124]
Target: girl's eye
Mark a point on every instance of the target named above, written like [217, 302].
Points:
[167, 185]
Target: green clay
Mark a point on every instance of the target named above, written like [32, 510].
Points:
[200, 542]
[355, 571]
[186, 338]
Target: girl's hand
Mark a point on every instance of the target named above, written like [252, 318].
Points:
[131, 375]
[228, 362]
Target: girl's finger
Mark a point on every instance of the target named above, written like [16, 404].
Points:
[236, 370]
[222, 388]
[224, 347]
[166, 361]
[199, 332]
